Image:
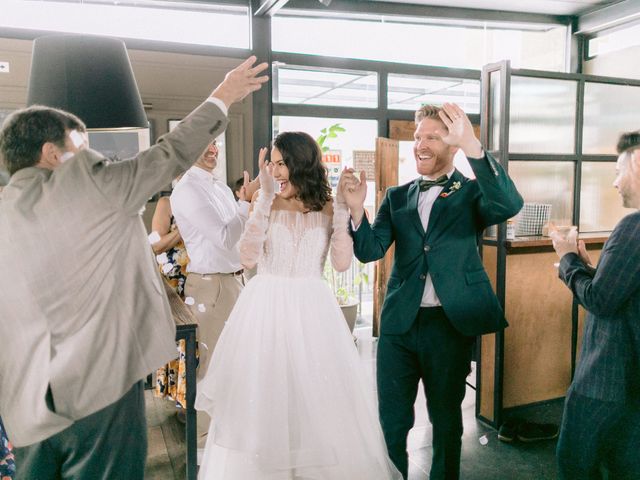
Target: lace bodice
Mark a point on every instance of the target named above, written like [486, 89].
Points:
[295, 244]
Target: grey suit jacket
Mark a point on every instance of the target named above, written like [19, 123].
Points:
[82, 306]
[609, 364]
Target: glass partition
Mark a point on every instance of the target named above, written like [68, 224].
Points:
[600, 204]
[546, 182]
[408, 92]
[609, 110]
[543, 115]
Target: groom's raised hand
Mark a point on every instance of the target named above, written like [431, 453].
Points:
[459, 131]
[352, 190]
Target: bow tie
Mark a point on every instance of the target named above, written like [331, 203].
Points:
[427, 184]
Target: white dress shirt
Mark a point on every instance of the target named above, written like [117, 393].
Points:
[425, 204]
[210, 222]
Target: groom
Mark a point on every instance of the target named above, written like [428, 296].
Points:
[438, 297]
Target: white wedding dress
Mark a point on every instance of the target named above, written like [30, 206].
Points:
[285, 389]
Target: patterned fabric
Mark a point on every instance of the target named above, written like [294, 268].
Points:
[176, 256]
[171, 380]
[427, 184]
[7, 464]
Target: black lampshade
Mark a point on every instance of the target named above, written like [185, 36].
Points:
[89, 76]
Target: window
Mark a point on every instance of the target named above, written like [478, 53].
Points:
[167, 21]
[317, 86]
[464, 44]
[408, 92]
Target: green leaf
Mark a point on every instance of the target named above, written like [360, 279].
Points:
[321, 140]
[324, 130]
[325, 149]
[338, 128]
[332, 135]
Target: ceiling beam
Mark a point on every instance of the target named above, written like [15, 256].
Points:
[267, 8]
[609, 16]
[405, 9]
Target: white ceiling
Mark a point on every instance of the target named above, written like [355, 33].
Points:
[550, 7]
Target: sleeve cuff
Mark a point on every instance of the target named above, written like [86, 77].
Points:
[220, 104]
[480, 157]
[243, 207]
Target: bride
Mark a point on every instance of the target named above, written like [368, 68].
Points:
[284, 388]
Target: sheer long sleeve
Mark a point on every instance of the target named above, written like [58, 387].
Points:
[255, 232]
[341, 241]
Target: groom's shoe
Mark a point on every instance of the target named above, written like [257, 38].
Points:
[533, 432]
[509, 430]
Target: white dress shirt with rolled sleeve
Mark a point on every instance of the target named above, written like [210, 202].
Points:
[210, 222]
[425, 204]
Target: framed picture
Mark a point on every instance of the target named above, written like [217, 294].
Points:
[220, 171]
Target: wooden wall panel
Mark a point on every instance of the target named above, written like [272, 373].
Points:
[386, 168]
[488, 346]
[537, 356]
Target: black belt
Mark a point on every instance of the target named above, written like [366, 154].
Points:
[235, 274]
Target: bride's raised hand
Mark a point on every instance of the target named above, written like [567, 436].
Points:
[267, 183]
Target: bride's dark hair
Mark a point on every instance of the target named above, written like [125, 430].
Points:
[303, 158]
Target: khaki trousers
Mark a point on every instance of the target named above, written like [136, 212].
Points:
[214, 296]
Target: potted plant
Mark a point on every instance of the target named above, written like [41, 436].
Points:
[343, 293]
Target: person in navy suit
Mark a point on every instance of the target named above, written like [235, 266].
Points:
[601, 423]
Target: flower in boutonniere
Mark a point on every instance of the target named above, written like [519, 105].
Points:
[454, 186]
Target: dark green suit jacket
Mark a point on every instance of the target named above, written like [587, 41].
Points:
[448, 250]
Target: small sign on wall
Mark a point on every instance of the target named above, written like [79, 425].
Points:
[365, 160]
[332, 159]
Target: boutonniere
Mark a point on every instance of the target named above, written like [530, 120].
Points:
[454, 186]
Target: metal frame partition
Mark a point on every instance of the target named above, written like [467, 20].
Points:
[381, 113]
[496, 118]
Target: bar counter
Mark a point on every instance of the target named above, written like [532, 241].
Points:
[535, 357]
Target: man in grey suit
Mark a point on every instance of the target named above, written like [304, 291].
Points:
[601, 422]
[83, 313]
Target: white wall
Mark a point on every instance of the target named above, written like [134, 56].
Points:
[623, 63]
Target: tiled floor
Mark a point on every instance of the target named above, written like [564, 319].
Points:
[495, 460]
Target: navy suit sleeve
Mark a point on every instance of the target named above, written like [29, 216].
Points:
[500, 200]
[371, 242]
[617, 276]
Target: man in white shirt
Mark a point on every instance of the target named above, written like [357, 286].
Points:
[211, 222]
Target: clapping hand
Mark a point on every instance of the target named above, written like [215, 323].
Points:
[564, 244]
[459, 130]
[248, 187]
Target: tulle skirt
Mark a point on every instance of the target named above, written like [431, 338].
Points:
[286, 392]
